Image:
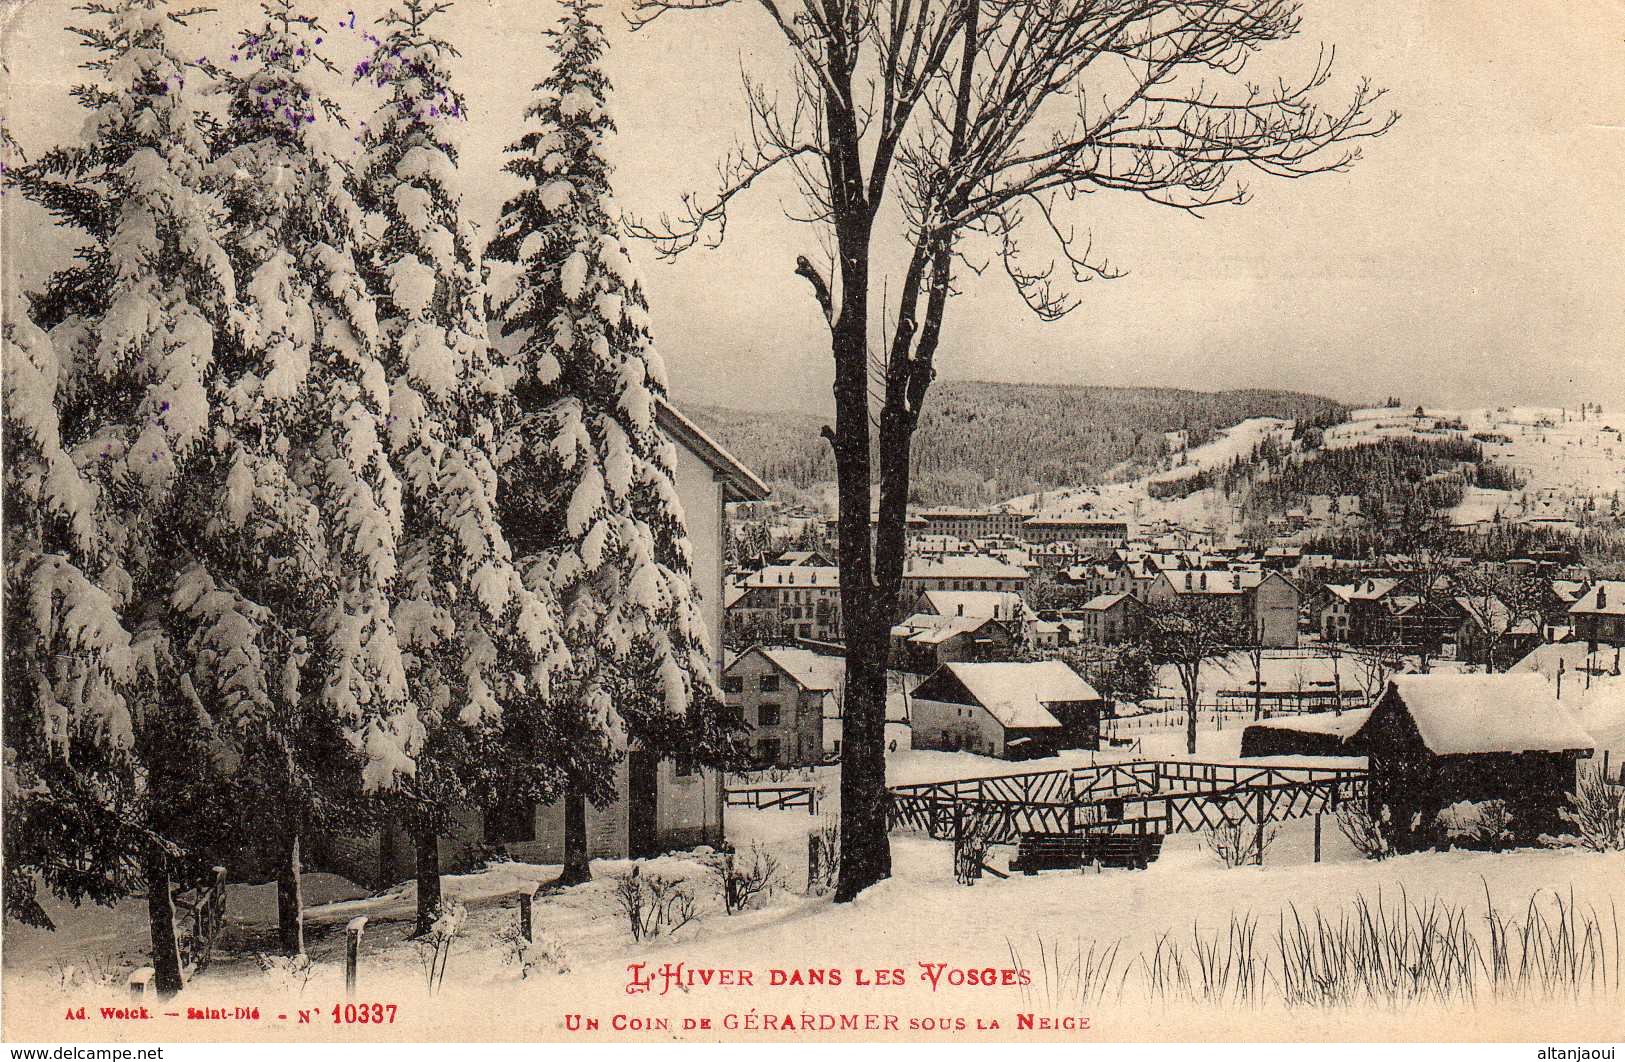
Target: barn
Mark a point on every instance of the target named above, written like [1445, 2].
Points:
[1433, 740]
[1011, 710]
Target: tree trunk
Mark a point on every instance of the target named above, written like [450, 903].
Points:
[865, 846]
[166, 950]
[290, 903]
[426, 845]
[577, 867]
[1190, 726]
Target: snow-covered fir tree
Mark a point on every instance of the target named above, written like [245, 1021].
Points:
[107, 431]
[311, 509]
[589, 500]
[477, 640]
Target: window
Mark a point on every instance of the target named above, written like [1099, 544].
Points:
[767, 750]
[733, 684]
[767, 715]
[683, 767]
[770, 683]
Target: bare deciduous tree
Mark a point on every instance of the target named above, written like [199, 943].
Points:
[980, 122]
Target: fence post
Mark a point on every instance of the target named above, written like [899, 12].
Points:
[1258, 836]
[1317, 836]
[525, 900]
[352, 952]
[141, 982]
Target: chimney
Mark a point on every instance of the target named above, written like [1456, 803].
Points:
[1235, 581]
[960, 610]
[1187, 580]
[1602, 597]
[1204, 580]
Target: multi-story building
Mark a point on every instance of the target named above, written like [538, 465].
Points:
[971, 523]
[1111, 619]
[790, 601]
[1261, 604]
[1598, 616]
[782, 696]
[1093, 533]
[962, 573]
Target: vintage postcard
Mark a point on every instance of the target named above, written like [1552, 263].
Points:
[932, 521]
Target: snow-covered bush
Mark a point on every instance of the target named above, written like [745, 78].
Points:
[740, 881]
[1597, 812]
[435, 945]
[286, 974]
[1236, 844]
[824, 857]
[534, 957]
[1371, 835]
[654, 906]
[1470, 824]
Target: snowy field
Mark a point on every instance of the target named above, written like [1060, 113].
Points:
[1187, 904]
[1561, 462]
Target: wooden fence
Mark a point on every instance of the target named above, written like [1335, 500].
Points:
[767, 797]
[1150, 796]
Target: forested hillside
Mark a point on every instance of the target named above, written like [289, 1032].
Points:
[980, 442]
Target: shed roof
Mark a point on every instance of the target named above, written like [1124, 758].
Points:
[1467, 714]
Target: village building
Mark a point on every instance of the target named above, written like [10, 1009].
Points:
[970, 523]
[1306, 734]
[1331, 612]
[1005, 606]
[1434, 740]
[1263, 604]
[1112, 619]
[1598, 615]
[1489, 634]
[962, 573]
[1009, 710]
[924, 641]
[791, 601]
[1090, 533]
[782, 696]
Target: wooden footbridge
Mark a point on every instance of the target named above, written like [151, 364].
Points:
[1147, 798]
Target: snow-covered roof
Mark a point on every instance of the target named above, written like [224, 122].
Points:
[1607, 598]
[989, 604]
[963, 568]
[1330, 723]
[777, 575]
[1373, 589]
[1214, 582]
[1102, 602]
[810, 670]
[1015, 693]
[1495, 616]
[1477, 713]
[739, 482]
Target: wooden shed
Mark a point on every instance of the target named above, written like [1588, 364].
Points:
[1307, 734]
[1434, 740]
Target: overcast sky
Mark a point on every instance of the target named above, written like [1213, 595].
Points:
[1474, 255]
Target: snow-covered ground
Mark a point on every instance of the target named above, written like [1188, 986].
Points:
[1561, 457]
[1563, 462]
[921, 915]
